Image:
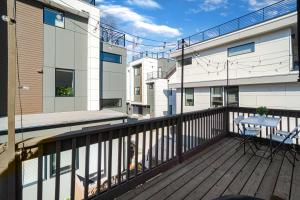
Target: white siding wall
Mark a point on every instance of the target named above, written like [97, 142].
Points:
[160, 97]
[271, 57]
[280, 96]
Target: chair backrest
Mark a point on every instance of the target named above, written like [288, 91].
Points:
[294, 132]
[237, 122]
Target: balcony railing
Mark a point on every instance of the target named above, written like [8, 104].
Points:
[111, 36]
[273, 11]
[156, 75]
[93, 2]
[150, 55]
[118, 158]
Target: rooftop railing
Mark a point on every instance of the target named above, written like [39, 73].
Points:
[112, 36]
[150, 55]
[273, 11]
[93, 2]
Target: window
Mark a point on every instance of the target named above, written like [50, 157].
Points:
[170, 109]
[110, 57]
[242, 49]
[65, 162]
[111, 103]
[64, 83]
[54, 18]
[216, 95]
[189, 96]
[186, 61]
[233, 96]
[137, 91]
[137, 71]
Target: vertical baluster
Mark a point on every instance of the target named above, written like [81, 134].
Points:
[40, 172]
[185, 134]
[119, 156]
[150, 146]
[199, 130]
[233, 124]
[189, 132]
[136, 152]
[57, 170]
[173, 138]
[156, 144]
[73, 168]
[288, 123]
[192, 132]
[128, 153]
[296, 120]
[144, 147]
[162, 141]
[168, 140]
[109, 175]
[99, 163]
[87, 166]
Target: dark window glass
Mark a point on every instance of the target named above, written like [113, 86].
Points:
[111, 103]
[110, 57]
[54, 18]
[233, 96]
[189, 96]
[137, 91]
[186, 61]
[216, 95]
[242, 49]
[64, 83]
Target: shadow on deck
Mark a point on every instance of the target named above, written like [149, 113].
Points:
[221, 170]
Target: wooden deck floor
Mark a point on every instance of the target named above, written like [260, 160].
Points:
[222, 170]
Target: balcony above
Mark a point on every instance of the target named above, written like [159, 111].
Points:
[156, 75]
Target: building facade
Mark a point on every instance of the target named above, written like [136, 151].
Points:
[55, 61]
[147, 86]
[255, 66]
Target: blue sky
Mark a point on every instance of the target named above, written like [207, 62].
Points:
[170, 20]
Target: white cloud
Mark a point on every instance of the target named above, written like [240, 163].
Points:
[140, 22]
[209, 5]
[144, 3]
[257, 4]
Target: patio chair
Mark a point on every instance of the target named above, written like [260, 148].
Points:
[286, 143]
[249, 135]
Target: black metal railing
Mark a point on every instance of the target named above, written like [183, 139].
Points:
[115, 159]
[147, 54]
[273, 11]
[156, 75]
[112, 36]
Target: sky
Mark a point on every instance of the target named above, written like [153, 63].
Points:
[171, 20]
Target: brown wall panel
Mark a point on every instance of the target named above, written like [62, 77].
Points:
[30, 33]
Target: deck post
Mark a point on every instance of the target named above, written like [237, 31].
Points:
[298, 31]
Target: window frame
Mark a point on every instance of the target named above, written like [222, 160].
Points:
[73, 86]
[137, 69]
[119, 106]
[211, 96]
[185, 60]
[193, 102]
[113, 54]
[249, 43]
[238, 96]
[55, 10]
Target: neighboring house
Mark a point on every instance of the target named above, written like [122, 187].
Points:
[113, 62]
[260, 61]
[55, 41]
[147, 86]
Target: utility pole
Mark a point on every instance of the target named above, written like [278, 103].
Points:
[11, 65]
[298, 32]
[182, 74]
[227, 82]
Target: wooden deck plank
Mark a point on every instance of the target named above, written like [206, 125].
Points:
[295, 191]
[266, 188]
[154, 186]
[210, 181]
[182, 188]
[218, 189]
[240, 180]
[256, 177]
[283, 184]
